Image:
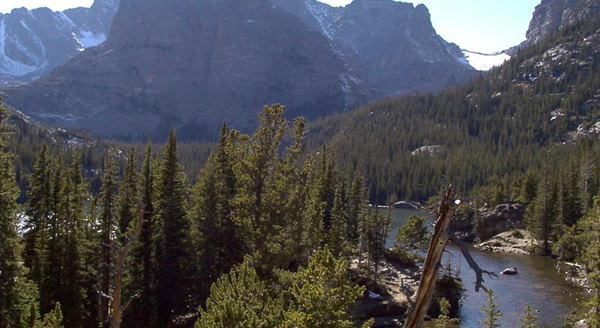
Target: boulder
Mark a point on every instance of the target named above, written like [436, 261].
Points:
[405, 205]
[502, 218]
[510, 271]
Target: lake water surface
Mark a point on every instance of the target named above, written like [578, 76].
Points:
[537, 284]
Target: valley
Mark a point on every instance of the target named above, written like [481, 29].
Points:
[279, 164]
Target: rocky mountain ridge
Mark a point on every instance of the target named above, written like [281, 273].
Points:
[551, 15]
[34, 42]
[196, 63]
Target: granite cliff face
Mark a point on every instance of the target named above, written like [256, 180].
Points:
[552, 15]
[391, 45]
[193, 64]
[33, 42]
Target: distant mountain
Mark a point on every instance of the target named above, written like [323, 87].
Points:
[551, 15]
[535, 107]
[391, 45]
[33, 42]
[196, 63]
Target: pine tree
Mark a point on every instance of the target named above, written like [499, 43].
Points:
[215, 232]
[240, 299]
[591, 258]
[172, 247]
[338, 232]
[37, 216]
[16, 292]
[70, 214]
[322, 293]
[413, 234]
[326, 185]
[491, 312]
[545, 211]
[444, 320]
[108, 205]
[54, 318]
[143, 279]
[356, 208]
[528, 320]
[128, 194]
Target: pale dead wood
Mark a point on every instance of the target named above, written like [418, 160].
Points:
[432, 263]
[117, 309]
[437, 247]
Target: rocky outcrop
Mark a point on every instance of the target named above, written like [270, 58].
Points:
[552, 15]
[388, 299]
[515, 241]
[487, 223]
[34, 42]
[193, 64]
[390, 45]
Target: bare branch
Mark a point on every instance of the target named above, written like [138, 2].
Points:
[136, 296]
[478, 271]
[431, 268]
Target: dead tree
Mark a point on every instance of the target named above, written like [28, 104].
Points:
[439, 240]
[121, 251]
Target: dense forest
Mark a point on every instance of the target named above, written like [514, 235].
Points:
[262, 239]
[259, 230]
[536, 107]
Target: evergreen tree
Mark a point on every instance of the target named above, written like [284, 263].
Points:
[528, 188]
[108, 208]
[591, 258]
[37, 216]
[322, 293]
[215, 232]
[128, 194]
[241, 300]
[16, 293]
[413, 234]
[55, 247]
[545, 211]
[142, 312]
[491, 312]
[356, 208]
[528, 320]
[172, 246]
[338, 233]
[444, 320]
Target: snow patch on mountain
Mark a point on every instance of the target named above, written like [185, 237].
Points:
[89, 39]
[9, 66]
[484, 62]
[321, 14]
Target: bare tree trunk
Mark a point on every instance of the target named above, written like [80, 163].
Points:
[439, 240]
[117, 309]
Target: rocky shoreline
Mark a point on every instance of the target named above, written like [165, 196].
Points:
[388, 298]
[517, 241]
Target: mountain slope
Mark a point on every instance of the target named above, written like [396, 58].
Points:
[546, 98]
[552, 15]
[196, 63]
[390, 45]
[33, 42]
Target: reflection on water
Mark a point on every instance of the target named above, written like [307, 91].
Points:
[538, 284]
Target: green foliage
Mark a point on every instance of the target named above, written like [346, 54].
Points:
[317, 296]
[321, 294]
[528, 320]
[444, 320]
[498, 123]
[413, 234]
[173, 238]
[241, 299]
[17, 294]
[54, 318]
[491, 313]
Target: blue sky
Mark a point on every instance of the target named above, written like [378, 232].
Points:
[478, 25]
